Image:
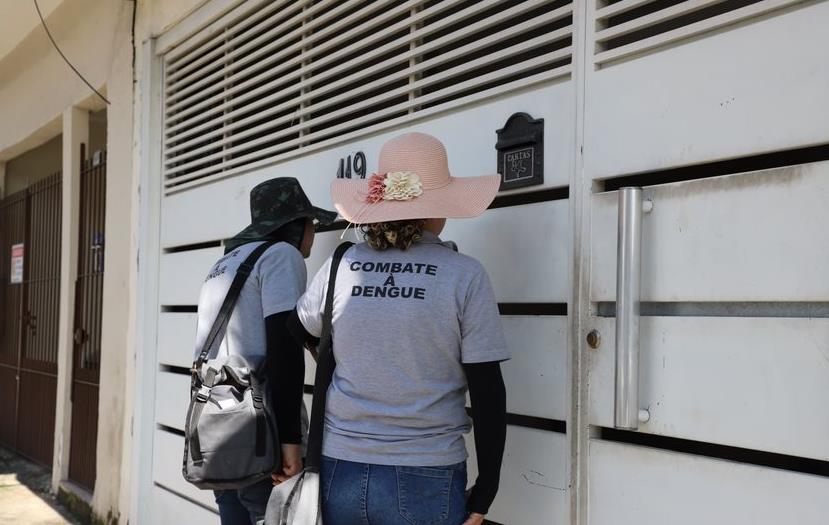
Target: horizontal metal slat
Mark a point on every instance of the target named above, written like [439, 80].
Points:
[301, 32]
[773, 259]
[417, 101]
[218, 80]
[181, 275]
[327, 72]
[657, 17]
[229, 37]
[324, 140]
[400, 76]
[325, 61]
[174, 45]
[624, 476]
[618, 8]
[702, 26]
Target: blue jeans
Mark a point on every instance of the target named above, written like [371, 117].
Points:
[244, 506]
[366, 494]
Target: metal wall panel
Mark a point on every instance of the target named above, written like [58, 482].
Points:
[176, 338]
[745, 382]
[746, 89]
[631, 484]
[182, 274]
[169, 449]
[534, 478]
[746, 237]
[523, 248]
[537, 375]
[168, 508]
[172, 396]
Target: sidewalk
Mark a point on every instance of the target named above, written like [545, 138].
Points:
[24, 494]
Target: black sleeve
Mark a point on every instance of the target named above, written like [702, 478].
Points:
[489, 419]
[285, 367]
[299, 333]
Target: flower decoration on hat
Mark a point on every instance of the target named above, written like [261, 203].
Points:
[393, 186]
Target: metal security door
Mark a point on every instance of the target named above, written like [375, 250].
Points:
[39, 352]
[87, 336]
[12, 233]
[31, 288]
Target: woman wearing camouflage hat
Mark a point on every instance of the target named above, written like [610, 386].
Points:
[281, 214]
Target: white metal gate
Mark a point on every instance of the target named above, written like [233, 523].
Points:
[713, 108]
[685, 99]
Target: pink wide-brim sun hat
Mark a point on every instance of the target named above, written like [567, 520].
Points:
[444, 196]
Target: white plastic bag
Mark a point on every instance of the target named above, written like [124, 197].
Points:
[295, 501]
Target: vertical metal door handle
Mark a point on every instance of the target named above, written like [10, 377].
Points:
[628, 278]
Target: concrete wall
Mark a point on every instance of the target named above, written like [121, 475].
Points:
[97, 131]
[38, 85]
[34, 165]
[44, 160]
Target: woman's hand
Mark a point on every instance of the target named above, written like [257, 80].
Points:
[474, 519]
[291, 463]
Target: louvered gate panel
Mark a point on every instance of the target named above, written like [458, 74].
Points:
[294, 75]
[626, 27]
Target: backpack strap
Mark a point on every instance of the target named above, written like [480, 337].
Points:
[199, 399]
[217, 331]
[325, 367]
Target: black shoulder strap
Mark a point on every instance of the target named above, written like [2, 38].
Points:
[325, 367]
[219, 327]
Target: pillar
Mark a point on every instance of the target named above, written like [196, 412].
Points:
[75, 133]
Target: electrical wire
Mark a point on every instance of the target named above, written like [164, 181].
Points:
[42, 21]
[132, 37]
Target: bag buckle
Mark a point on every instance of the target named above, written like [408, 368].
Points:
[203, 394]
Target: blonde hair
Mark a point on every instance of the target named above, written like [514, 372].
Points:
[394, 234]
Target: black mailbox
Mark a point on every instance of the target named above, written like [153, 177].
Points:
[521, 152]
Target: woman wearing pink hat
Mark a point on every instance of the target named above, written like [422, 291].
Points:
[415, 326]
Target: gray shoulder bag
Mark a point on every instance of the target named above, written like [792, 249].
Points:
[230, 439]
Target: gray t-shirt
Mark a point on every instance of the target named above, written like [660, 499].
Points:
[404, 323]
[277, 280]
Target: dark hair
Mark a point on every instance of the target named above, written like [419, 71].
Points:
[394, 234]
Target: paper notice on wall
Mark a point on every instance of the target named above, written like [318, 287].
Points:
[17, 264]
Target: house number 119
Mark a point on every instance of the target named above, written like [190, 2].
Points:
[358, 163]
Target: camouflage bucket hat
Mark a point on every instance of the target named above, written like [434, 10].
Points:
[276, 202]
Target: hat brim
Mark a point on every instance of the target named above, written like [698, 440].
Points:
[264, 228]
[462, 198]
